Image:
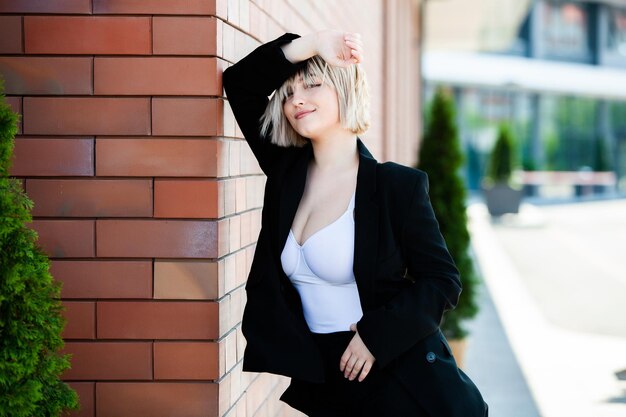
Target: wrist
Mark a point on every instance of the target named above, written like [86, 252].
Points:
[301, 49]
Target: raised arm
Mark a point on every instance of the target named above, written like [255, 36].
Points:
[249, 82]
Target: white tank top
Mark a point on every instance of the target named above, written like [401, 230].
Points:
[321, 271]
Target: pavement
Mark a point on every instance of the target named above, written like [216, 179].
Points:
[550, 337]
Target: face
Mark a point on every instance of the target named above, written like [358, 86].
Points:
[319, 108]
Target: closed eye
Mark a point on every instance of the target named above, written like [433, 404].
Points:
[289, 93]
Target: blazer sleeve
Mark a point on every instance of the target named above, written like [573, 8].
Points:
[417, 310]
[247, 85]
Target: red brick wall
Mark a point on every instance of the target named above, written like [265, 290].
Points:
[147, 198]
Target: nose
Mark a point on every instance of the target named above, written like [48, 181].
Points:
[297, 98]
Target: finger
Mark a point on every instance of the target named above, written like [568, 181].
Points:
[365, 371]
[355, 371]
[343, 361]
[349, 367]
[355, 39]
[353, 43]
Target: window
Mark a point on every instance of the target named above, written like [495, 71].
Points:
[616, 37]
[564, 30]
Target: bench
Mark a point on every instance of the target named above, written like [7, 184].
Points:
[567, 183]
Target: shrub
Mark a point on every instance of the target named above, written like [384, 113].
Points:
[502, 156]
[30, 309]
[441, 157]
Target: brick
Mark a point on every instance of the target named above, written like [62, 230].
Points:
[228, 120]
[223, 152]
[87, 35]
[186, 360]
[224, 394]
[235, 233]
[103, 279]
[237, 302]
[220, 191]
[84, 116]
[182, 280]
[185, 35]
[54, 157]
[163, 399]
[189, 76]
[10, 36]
[256, 15]
[240, 194]
[187, 7]
[241, 343]
[228, 42]
[109, 360]
[234, 158]
[229, 347]
[157, 238]
[45, 6]
[223, 230]
[185, 199]
[65, 238]
[230, 196]
[157, 320]
[36, 75]
[244, 15]
[86, 397]
[91, 198]
[233, 12]
[81, 319]
[186, 117]
[246, 227]
[166, 157]
[229, 273]
[241, 270]
[235, 387]
[221, 8]
[16, 106]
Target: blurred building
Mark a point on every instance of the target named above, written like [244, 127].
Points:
[555, 69]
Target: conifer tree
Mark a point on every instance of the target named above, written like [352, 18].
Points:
[441, 158]
[30, 308]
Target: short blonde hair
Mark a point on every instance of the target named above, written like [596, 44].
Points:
[352, 93]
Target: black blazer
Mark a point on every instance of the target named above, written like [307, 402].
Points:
[405, 275]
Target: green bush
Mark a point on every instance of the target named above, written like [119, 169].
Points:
[441, 157]
[501, 160]
[30, 308]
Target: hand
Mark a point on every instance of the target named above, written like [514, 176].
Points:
[357, 358]
[339, 48]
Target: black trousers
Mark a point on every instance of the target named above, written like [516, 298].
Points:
[380, 394]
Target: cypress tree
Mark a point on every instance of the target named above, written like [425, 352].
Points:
[441, 158]
[30, 308]
[501, 160]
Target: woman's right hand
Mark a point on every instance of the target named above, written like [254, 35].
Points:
[339, 48]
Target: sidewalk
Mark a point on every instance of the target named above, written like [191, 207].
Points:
[550, 338]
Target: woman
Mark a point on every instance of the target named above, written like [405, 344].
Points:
[351, 275]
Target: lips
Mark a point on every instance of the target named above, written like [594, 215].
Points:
[301, 114]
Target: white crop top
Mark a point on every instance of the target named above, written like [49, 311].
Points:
[321, 271]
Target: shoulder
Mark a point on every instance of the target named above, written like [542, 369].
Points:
[400, 178]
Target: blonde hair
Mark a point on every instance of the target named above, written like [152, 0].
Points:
[352, 93]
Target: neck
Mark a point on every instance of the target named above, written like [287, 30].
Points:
[335, 154]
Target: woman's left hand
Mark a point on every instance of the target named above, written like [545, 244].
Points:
[357, 358]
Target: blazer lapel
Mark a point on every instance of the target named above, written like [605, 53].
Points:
[365, 218]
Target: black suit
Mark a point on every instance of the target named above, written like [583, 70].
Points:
[405, 275]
